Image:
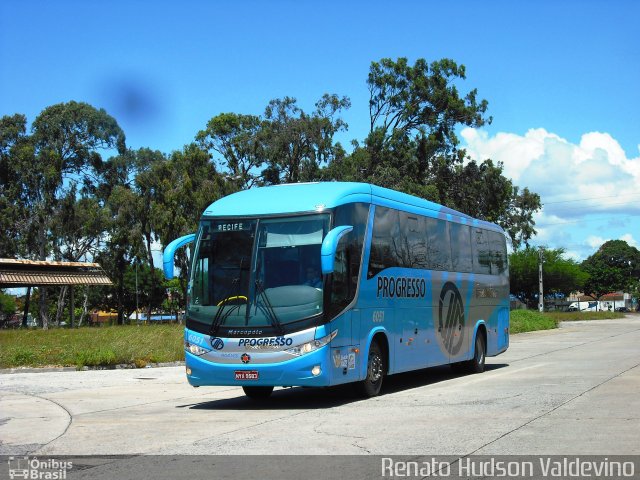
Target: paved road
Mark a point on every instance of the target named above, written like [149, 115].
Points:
[575, 390]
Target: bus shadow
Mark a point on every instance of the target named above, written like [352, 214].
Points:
[427, 376]
[317, 398]
[285, 399]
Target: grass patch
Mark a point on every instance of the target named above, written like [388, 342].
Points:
[530, 320]
[572, 316]
[105, 346]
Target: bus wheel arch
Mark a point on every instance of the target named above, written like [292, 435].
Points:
[377, 367]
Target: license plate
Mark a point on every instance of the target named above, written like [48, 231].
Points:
[246, 375]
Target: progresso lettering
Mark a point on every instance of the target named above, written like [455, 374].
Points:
[401, 287]
[272, 342]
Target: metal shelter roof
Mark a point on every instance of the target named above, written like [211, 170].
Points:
[24, 273]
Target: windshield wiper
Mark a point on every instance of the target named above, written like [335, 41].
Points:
[268, 308]
[219, 319]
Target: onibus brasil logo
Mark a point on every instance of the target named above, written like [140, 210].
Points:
[34, 468]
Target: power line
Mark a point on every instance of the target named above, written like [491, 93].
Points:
[607, 205]
[582, 221]
[592, 198]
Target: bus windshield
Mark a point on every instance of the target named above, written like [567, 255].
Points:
[257, 272]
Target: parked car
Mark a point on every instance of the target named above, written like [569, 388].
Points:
[622, 309]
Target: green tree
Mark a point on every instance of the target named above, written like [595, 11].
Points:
[614, 267]
[298, 144]
[236, 142]
[412, 146]
[39, 170]
[18, 189]
[422, 97]
[7, 304]
[560, 275]
[186, 184]
[286, 145]
[123, 237]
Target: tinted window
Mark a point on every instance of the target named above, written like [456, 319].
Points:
[481, 251]
[386, 245]
[413, 241]
[461, 248]
[439, 251]
[498, 252]
[344, 280]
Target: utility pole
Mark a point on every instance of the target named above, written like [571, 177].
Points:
[540, 293]
[137, 293]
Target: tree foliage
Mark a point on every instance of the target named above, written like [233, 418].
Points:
[412, 146]
[560, 275]
[614, 267]
[7, 304]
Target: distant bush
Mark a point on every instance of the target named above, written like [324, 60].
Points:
[530, 320]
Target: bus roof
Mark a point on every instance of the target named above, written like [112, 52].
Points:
[314, 197]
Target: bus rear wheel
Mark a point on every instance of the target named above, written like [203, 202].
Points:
[476, 364]
[258, 393]
[371, 385]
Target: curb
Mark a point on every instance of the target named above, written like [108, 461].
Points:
[122, 366]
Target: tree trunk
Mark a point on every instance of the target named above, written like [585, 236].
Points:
[60, 309]
[72, 308]
[44, 319]
[84, 306]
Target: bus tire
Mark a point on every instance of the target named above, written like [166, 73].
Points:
[371, 385]
[476, 364]
[258, 393]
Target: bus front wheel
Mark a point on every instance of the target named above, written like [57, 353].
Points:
[258, 393]
[371, 385]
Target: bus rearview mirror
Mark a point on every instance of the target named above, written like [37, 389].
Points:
[168, 255]
[329, 247]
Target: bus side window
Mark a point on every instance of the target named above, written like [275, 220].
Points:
[413, 234]
[386, 244]
[344, 280]
[439, 245]
[497, 244]
[481, 252]
[462, 259]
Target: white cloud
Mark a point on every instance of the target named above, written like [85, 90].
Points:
[588, 190]
[627, 237]
[594, 176]
[595, 242]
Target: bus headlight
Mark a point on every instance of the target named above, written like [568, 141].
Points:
[312, 345]
[195, 349]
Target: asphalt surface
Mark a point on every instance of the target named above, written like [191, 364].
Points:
[571, 391]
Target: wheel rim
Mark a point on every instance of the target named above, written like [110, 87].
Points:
[375, 368]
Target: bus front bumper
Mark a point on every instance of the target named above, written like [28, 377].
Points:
[312, 369]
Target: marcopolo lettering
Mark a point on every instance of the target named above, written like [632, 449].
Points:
[401, 287]
[265, 342]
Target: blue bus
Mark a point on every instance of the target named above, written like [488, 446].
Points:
[321, 284]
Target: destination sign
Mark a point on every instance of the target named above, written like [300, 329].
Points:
[232, 227]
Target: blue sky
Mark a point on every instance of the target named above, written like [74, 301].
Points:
[561, 78]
